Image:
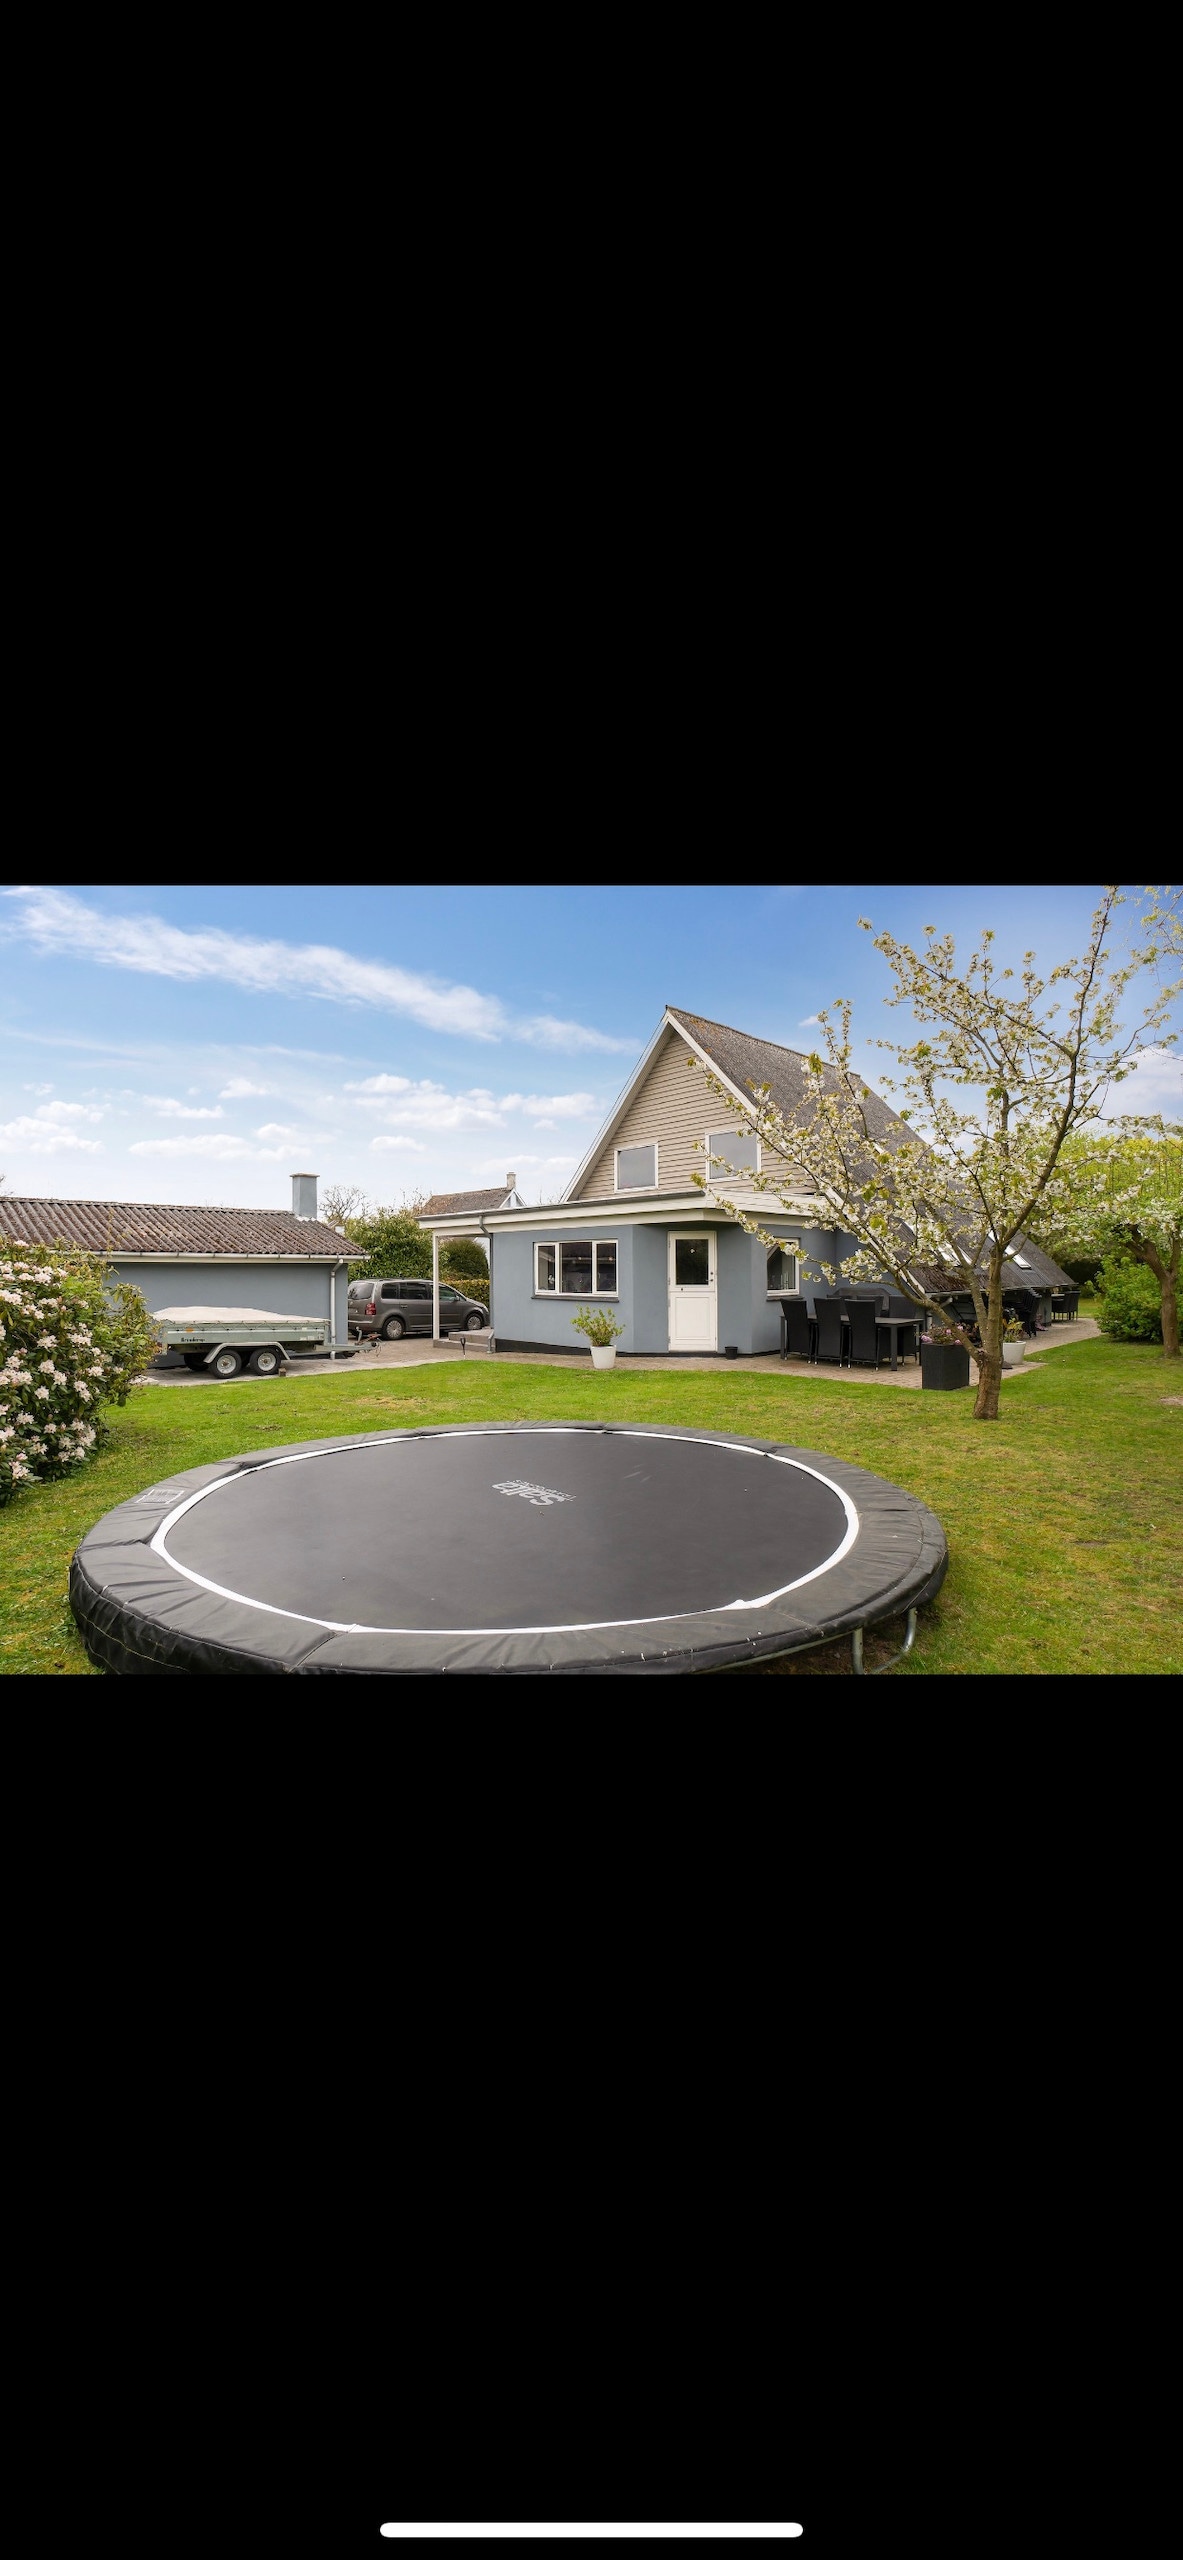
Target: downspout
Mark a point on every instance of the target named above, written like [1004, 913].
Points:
[342, 1265]
[489, 1259]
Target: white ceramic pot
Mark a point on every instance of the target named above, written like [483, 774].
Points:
[603, 1355]
[1012, 1353]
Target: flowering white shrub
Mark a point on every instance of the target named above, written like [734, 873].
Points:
[97, 1333]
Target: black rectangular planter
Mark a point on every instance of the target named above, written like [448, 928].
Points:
[944, 1364]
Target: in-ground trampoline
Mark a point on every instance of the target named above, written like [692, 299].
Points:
[503, 1548]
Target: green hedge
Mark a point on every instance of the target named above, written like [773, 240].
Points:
[1130, 1308]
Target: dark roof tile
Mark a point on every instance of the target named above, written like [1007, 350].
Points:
[463, 1204]
[153, 1227]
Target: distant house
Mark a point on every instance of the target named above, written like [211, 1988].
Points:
[631, 1230]
[178, 1255]
[470, 1204]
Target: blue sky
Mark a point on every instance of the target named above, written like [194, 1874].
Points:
[202, 1044]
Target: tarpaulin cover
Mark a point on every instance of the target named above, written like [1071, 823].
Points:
[224, 1315]
[501, 1548]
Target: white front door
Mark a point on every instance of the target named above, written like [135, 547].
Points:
[694, 1323]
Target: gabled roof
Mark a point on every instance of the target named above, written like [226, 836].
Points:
[742, 1061]
[739, 1060]
[163, 1227]
[465, 1204]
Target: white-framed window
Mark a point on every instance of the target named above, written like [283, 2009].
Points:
[636, 1167]
[740, 1155]
[784, 1271]
[576, 1268]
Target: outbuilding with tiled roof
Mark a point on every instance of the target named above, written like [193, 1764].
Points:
[180, 1251]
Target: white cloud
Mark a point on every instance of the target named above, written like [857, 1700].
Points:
[406, 1146]
[222, 1149]
[37, 1088]
[56, 922]
[544, 1031]
[430, 1105]
[170, 1109]
[48, 1137]
[559, 1106]
[491, 1162]
[1156, 1084]
[276, 1129]
[240, 1089]
[68, 1111]
[427, 1105]
[809, 1021]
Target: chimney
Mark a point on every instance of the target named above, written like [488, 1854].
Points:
[304, 1195]
[511, 1182]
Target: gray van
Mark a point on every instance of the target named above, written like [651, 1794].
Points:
[394, 1307]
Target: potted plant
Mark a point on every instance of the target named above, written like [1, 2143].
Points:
[601, 1329]
[944, 1361]
[1013, 1342]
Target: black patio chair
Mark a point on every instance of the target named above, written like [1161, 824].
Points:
[830, 1345]
[797, 1334]
[1025, 1304]
[864, 1333]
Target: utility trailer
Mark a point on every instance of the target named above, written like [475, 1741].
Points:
[226, 1340]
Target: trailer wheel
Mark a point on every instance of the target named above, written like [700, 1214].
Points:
[226, 1363]
[193, 1359]
[264, 1363]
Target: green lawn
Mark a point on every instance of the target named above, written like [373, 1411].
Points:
[1063, 1519]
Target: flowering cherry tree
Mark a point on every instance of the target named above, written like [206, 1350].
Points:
[935, 1196]
[68, 1346]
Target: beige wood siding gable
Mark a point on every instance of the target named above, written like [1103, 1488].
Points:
[675, 1106]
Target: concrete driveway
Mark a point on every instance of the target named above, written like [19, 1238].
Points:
[370, 1355]
[414, 1353]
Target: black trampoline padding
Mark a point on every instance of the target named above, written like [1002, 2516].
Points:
[504, 1548]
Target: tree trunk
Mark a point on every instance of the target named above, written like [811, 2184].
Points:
[1170, 1315]
[1167, 1276]
[989, 1358]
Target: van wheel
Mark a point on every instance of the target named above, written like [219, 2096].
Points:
[472, 1324]
[393, 1329]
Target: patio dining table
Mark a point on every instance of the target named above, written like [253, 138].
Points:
[893, 1325]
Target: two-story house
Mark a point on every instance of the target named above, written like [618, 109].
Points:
[633, 1233]
[631, 1230]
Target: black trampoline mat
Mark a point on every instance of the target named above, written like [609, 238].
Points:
[511, 1530]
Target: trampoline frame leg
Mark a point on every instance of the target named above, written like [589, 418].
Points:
[856, 1650]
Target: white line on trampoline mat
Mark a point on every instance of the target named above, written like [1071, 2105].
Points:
[577, 1627]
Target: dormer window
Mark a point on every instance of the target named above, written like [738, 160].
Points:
[636, 1168]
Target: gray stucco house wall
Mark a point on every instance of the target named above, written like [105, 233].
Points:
[300, 1288]
[518, 1315]
[747, 1316]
